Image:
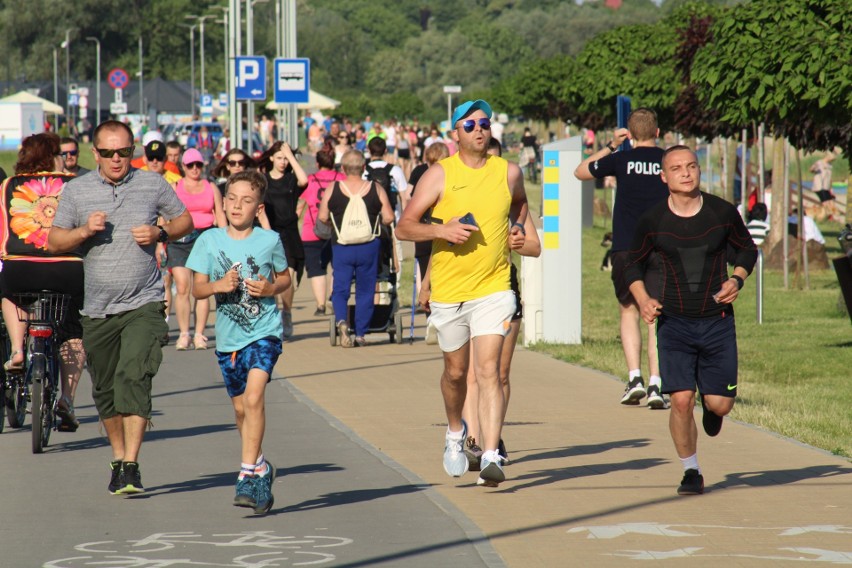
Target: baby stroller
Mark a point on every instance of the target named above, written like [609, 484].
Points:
[386, 318]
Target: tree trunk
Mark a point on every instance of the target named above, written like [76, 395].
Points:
[731, 151]
[777, 222]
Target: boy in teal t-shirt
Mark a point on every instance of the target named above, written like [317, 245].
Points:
[245, 267]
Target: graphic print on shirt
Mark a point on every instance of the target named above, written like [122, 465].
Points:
[692, 260]
[238, 306]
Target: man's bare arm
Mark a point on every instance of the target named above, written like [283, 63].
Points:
[583, 172]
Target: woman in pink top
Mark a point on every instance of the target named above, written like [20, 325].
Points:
[317, 251]
[204, 203]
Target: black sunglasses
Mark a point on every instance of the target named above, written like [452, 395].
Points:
[470, 124]
[109, 153]
[193, 165]
[235, 163]
[67, 153]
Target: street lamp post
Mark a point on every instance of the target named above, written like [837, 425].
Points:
[67, 45]
[201, 51]
[250, 51]
[56, 82]
[191, 67]
[97, 78]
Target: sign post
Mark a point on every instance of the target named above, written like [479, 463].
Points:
[451, 90]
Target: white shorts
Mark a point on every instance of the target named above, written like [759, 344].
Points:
[459, 323]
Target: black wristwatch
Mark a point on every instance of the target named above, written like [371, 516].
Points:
[163, 237]
[738, 280]
[612, 148]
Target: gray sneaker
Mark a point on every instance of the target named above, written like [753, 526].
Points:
[455, 462]
[287, 322]
[491, 474]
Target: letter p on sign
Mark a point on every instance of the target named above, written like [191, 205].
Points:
[247, 70]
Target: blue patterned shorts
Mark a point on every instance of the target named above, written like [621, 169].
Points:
[261, 354]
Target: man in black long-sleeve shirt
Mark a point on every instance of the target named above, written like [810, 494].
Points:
[696, 336]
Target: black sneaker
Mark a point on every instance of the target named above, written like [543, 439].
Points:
[115, 477]
[501, 449]
[692, 483]
[473, 453]
[634, 392]
[245, 492]
[712, 422]
[320, 311]
[656, 401]
[130, 481]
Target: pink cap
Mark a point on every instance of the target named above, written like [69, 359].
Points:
[192, 155]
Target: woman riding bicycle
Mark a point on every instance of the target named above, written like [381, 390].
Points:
[28, 203]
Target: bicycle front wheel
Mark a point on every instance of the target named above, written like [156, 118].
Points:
[41, 405]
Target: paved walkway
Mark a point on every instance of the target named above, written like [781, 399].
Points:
[357, 436]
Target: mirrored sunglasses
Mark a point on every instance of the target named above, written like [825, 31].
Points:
[67, 153]
[470, 124]
[109, 153]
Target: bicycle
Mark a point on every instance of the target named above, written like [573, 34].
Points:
[43, 311]
[14, 392]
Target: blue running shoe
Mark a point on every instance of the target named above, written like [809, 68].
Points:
[245, 493]
[263, 494]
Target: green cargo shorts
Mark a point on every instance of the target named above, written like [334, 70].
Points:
[123, 352]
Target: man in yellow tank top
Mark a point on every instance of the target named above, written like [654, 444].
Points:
[478, 203]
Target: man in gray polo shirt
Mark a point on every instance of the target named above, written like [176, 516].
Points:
[112, 218]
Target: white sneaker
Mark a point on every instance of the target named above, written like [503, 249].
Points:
[455, 461]
[491, 472]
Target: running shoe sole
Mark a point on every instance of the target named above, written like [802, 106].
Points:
[491, 476]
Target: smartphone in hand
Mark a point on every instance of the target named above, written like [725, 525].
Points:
[467, 219]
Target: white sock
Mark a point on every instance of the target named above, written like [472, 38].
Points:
[690, 463]
[455, 435]
[491, 456]
[246, 469]
[655, 380]
[635, 373]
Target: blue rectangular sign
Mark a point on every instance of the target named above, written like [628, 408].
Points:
[292, 80]
[251, 78]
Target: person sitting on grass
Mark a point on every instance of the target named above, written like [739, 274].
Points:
[245, 267]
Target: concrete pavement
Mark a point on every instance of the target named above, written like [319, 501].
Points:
[357, 436]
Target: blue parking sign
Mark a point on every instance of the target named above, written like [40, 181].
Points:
[251, 78]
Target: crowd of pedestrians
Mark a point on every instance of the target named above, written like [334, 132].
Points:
[135, 240]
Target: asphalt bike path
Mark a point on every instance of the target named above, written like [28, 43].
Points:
[338, 502]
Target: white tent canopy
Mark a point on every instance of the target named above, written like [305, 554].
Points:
[27, 97]
[315, 101]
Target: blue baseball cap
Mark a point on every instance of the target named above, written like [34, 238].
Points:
[468, 107]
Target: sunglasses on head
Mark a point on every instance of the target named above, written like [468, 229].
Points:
[109, 153]
[67, 153]
[235, 163]
[469, 124]
[193, 165]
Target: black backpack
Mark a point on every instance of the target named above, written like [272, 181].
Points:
[382, 176]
